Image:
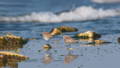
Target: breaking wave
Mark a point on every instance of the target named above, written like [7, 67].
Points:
[79, 14]
[106, 1]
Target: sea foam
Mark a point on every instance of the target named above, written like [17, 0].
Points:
[106, 1]
[82, 13]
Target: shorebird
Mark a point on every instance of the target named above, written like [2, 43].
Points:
[55, 31]
[47, 47]
[46, 36]
[49, 35]
[58, 31]
[68, 39]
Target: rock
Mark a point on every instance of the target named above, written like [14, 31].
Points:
[10, 59]
[88, 34]
[67, 29]
[118, 40]
[11, 40]
[86, 39]
[99, 42]
[12, 54]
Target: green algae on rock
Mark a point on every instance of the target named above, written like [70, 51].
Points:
[11, 39]
[11, 59]
[13, 55]
[67, 29]
[88, 34]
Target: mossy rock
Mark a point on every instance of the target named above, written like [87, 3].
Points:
[88, 34]
[11, 39]
[67, 29]
[10, 59]
[13, 55]
[99, 42]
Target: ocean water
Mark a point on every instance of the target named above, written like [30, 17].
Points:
[29, 18]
